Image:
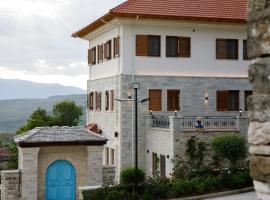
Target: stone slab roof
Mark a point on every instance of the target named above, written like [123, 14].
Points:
[59, 136]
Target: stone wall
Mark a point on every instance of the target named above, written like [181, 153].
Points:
[108, 175]
[259, 103]
[10, 185]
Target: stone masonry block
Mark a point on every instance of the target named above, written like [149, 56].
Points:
[258, 9]
[259, 150]
[259, 73]
[259, 105]
[259, 38]
[259, 133]
[260, 168]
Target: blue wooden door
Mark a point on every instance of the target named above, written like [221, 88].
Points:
[60, 181]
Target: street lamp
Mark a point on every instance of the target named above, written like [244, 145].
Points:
[135, 87]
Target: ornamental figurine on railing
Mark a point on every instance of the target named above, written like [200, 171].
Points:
[199, 124]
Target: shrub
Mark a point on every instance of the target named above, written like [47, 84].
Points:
[195, 152]
[182, 187]
[130, 176]
[230, 146]
[158, 187]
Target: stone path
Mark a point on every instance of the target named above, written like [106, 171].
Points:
[244, 196]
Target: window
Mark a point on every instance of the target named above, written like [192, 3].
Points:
[178, 46]
[184, 47]
[148, 45]
[91, 101]
[247, 94]
[107, 50]
[228, 100]
[227, 49]
[116, 47]
[245, 54]
[107, 100]
[112, 156]
[171, 46]
[162, 166]
[112, 100]
[107, 156]
[173, 100]
[98, 100]
[100, 53]
[92, 56]
[155, 100]
[154, 164]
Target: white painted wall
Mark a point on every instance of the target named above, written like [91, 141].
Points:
[203, 60]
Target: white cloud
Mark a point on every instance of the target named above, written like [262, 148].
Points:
[36, 42]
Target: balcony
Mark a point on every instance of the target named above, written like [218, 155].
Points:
[209, 123]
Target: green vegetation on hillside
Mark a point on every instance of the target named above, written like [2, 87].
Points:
[14, 113]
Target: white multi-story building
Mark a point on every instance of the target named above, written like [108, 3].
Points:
[190, 60]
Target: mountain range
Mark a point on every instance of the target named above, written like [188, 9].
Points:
[18, 89]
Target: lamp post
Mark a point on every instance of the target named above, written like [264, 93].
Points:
[135, 87]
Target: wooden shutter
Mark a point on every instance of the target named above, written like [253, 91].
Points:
[98, 100]
[221, 48]
[154, 164]
[107, 100]
[184, 47]
[105, 51]
[100, 53]
[173, 100]
[112, 100]
[162, 166]
[109, 50]
[141, 45]
[116, 46]
[245, 55]
[91, 101]
[155, 100]
[89, 56]
[222, 100]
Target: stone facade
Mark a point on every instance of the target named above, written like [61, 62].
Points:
[171, 141]
[259, 73]
[121, 120]
[10, 185]
[108, 175]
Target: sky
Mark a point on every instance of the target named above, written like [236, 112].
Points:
[36, 42]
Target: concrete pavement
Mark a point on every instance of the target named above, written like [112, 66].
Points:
[243, 196]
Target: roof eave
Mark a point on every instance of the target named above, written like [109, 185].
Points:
[111, 15]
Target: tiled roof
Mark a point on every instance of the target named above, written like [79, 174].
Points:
[41, 136]
[234, 11]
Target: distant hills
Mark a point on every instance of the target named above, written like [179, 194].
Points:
[15, 112]
[18, 89]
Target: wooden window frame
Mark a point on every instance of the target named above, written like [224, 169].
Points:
[227, 97]
[143, 43]
[184, 47]
[224, 54]
[112, 100]
[245, 52]
[112, 156]
[150, 100]
[92, 56]
[91, 101]
[116, 47]
[98, 101]
[107, 100]
[177, 48]
[169, 108]
[247, 94]
[100, 53]
[162, 170]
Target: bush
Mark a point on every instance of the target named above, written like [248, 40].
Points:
[230, 146]
[129, 176]
[158, 187]
[182, 187]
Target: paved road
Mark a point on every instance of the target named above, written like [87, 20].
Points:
[244, 196]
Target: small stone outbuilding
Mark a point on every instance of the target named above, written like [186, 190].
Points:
[55, 161]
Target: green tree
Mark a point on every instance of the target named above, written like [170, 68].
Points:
[66, 113]
[231, 146]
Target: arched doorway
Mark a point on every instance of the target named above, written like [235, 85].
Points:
[60, 181]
